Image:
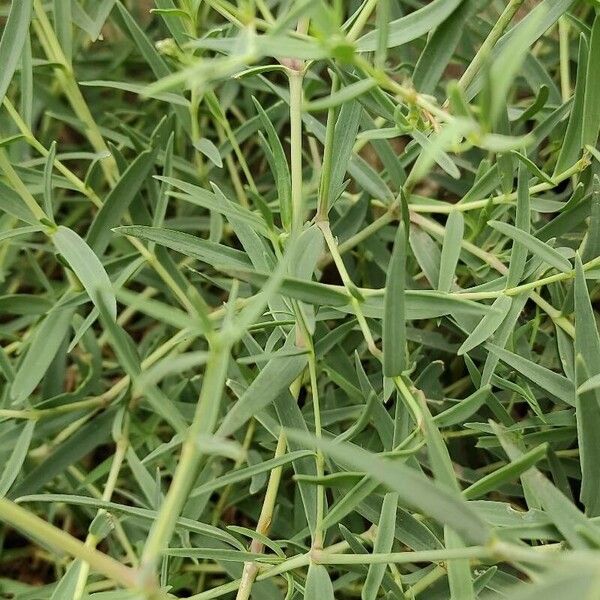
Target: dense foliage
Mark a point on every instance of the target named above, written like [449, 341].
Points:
[297, 299]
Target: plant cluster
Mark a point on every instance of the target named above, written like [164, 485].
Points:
[297, 299]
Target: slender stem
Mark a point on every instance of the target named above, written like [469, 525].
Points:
[410, 400]
[365, 233]
[320, 458]
[92, 540]
[34, 527]
[66, 78]
[204, 421]
[565, 68]
[264, 523]
[20, 187]
[472, 552]
[579, 166]
[361, 19]
[496, 264]
[295, 81]
[353, 291]
[495, 34]
[526, 287]
[34, 143]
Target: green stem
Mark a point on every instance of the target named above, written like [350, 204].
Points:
[355, 294]
[495, 34]
[439, 231]
[265, 519]
[295, 81]
[472, 552]
[565, 71]
[66, 79]
[36, 528]
[34, 143]
[20, 187]
[205, 418]
[579, 166]
[92, 540]
[361, 20]
[320, 458]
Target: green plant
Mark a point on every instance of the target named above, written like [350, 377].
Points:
[297, 299]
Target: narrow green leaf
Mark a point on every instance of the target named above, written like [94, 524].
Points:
[189, 245]
[414, 489]
[459, 572]
[548, 254]
[280, 166]
[48, 204]
[275, 378]
[451, 250]
[440, 47]
[87, 267]
[248, 472]
[463, 409]
[182, 524]
[518, 255]
[564, 514]
[488, 325]
[318, 584]
[433, 151]
[533, 168]
[206, 147]
[139, 89]
[215, 201]
[383, 544]
[587, 363]
[67, 586]
[553, 383]
[341, 96]
[394, 318]
[14, 36]
[63, 26]
[311, 292]
[118, 201]
[344, 137]
[17, 458]
[43, 347]
[514, 469]
[88, 437]
[412, 26]
[591, 103]
[572, 140]
[591, 249]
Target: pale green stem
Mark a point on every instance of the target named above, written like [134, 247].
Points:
[526, 287]
[204, 421]
[353, 291]
[320, 458]
[92, 540]
[495, 34]
[439, 230]
[38, 529]
[565, 69]
[295, 81]
[472, 552]
[34, 143]
[361, 20]
[66, 79]
[410, 400]
[264, 523]
[579, 166]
